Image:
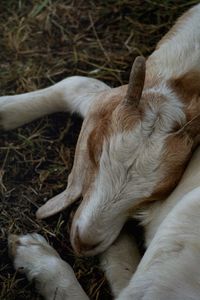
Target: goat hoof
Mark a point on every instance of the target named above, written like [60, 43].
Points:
[29, 253]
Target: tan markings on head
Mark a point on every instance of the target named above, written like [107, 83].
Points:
[177, 154]
[112, 117]
[102, 118]
[178, 151]
[187, 87]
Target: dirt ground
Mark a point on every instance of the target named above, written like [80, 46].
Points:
[42, 42]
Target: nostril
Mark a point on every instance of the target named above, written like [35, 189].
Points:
[81, 246]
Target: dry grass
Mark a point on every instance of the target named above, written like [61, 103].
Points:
[41, 42]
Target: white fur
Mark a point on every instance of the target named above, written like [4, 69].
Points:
[179, 53]
[161, 116]
[74, 94]
[169, 269]
[55, 279]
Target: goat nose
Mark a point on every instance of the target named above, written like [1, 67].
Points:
[80, 246]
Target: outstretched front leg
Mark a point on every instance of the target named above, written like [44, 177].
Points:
[54, 278]
[74, 94]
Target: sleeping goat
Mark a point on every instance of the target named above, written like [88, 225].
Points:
[133, 148]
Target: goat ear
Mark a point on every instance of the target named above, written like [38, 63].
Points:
[192, 129]
[136, 82]
[75, 180]
[70, 195]
[59, 202]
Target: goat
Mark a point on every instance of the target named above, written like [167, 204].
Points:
[135, 141]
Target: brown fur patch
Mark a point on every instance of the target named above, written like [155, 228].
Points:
[187, 87]
[178, 151]
[102, 118]
[112, 115]
[177, 154]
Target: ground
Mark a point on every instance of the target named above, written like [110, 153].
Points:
[42, 42]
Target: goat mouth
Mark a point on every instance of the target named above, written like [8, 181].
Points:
[83, 248]
[88, 250]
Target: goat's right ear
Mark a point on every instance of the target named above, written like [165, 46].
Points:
[192, 129]
[58, 203]
[76, 178]
[136, 82]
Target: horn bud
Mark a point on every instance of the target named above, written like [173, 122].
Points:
[136, 81]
